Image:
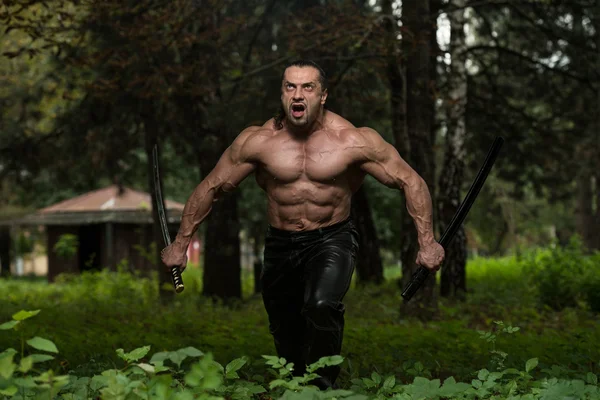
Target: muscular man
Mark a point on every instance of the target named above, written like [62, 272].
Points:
[309, 161]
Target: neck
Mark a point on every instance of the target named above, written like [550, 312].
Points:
[310, 128]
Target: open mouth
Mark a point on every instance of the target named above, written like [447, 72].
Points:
[298, 110]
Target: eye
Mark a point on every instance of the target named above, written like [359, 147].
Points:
[289, 86]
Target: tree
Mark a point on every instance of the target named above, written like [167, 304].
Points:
[453, 274]
[416, 44]
[532, 70]
[5, 256]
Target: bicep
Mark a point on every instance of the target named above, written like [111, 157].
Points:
[229, 172]
[234, 165]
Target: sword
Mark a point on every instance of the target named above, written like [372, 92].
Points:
[422, 273]
[160, 206]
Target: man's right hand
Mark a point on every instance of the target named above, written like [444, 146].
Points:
[174, 256]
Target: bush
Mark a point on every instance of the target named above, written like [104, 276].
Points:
[565, 276]
[189, 373]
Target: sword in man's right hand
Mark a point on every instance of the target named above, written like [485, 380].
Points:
[160, 207]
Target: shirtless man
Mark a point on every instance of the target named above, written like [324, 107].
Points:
[309, 161]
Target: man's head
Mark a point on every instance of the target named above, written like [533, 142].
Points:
[303, 92]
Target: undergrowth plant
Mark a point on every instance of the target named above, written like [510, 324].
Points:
[189, 373]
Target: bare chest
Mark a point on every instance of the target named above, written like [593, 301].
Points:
[321, 159]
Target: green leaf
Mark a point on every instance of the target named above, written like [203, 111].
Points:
[420, 381]
[39, 343]
[159, 357]
[389, 383]
[8, 325]
[26, 364]
[272, 361]
[376, 378]
[41, 357]
[591, 378]
[233, 366]
[147, 367]
[98, 382]
[423, 388]
[7, 366]
[10, 391]
[191, 352]
[450, 387]
[8, 352]
[134, 355]
[26, 382]
[531, 364]
[483, 374]
[177, 358]
[476, 383]
[159, 367]
[511, 371]
[276, 383]
[23, 315]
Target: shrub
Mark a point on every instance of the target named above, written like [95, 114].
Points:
[189, 373]
[563, 275]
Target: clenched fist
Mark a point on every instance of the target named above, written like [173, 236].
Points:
[431, 256]
[174, 256]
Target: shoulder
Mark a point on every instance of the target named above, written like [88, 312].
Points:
[248, 143]
[362, 136]
[349, 132]
[366, 144]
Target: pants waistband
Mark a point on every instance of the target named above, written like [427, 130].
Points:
[313, 232]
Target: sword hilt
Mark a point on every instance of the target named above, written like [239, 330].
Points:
[175, 272]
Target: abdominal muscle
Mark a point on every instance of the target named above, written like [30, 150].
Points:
[305, 205]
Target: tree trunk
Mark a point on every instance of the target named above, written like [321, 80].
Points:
[396, 77]
[585, 153]
[596, 129]
[419, 119]
[4, 251]
[222, 264]
[453, 279]
[164, 277]
[369, 266]
[585, 215]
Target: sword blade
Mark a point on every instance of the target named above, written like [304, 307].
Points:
[162, 217]
[422, 273]
[160, 205]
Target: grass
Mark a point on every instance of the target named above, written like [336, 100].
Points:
[90, 316]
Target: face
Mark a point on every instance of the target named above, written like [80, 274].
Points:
[302, 95]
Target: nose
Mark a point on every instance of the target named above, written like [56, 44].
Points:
[298, 96]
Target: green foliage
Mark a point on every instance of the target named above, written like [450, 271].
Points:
[385, 354]
[204, 378]
[23, 244]
[66, 245]
[565, 276]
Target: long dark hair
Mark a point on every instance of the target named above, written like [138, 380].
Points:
[280, 114]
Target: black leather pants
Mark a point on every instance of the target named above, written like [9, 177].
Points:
[305, 278]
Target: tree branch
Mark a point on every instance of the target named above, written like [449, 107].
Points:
[251, 46]
[514, 53]
[547, 29]
[281, 60]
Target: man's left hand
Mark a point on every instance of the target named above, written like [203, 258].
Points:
[431, 256]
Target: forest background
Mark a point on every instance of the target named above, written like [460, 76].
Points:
[88, 88]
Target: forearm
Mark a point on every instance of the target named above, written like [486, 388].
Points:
[419, 206]
[196, 209]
